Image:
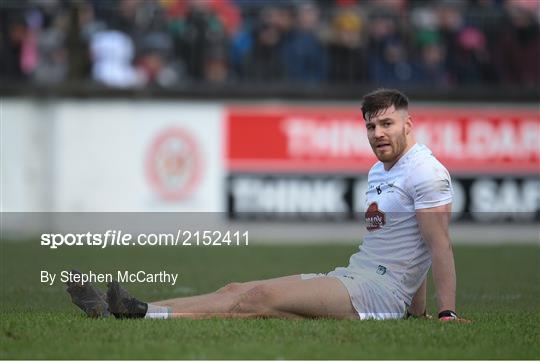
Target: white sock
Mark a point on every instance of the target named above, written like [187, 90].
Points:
[158, 312]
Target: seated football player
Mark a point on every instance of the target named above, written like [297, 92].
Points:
[408, 205]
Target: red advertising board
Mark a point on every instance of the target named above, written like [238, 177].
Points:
[330, 139]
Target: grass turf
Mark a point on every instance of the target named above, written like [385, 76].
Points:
[498, 287]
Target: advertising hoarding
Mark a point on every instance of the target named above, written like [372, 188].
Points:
[312, 163]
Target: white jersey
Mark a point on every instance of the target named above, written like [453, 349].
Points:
[393, 246]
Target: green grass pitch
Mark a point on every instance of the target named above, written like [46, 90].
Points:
[498, 287]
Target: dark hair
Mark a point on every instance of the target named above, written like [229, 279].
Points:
[381, 99]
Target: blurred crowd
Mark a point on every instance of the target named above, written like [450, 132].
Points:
[167, 43]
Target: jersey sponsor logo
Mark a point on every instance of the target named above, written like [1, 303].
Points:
[173, 164]
[375, 219]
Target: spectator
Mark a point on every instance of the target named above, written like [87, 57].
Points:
[197, 34]
[216, 67]
[264, 60]
[347, 54]
[155, 51]
[263, 63]
[52, 65]
[392, 67]
[113, 53]
[430, 69]
[518, 52]
[13, 36]
[304, 57]
[465, 45]
[388, 59]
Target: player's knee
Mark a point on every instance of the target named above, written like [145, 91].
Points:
[231, 288]
[258, 299]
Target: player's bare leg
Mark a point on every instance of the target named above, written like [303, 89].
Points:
[220, 301]
[317, 297]
[288, 297]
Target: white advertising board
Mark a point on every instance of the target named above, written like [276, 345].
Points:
[98, 156]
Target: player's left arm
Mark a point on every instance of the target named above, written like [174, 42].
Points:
[434, 228]
[418, 303]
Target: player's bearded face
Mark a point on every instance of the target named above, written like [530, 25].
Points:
[387, 135]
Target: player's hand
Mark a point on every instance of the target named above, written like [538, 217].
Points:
[455, 320]
[451, 316]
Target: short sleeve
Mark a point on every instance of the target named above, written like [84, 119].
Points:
[430, 185]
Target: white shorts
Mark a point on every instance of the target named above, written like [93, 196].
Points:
[370, 295]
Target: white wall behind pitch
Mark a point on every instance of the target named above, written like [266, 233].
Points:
[25, 155]
[77, 156]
